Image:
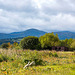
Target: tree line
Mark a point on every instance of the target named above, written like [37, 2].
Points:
[43, 42]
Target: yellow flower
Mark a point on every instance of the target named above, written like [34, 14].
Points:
[31, 68]
[5, 72]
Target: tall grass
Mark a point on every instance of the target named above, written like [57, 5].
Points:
[46, 62]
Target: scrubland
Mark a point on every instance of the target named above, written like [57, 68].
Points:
[47, 62]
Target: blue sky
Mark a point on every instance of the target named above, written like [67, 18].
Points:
[46, 15]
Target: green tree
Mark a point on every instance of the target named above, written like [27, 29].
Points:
[48, 40]
[69, 42]
[73, 44]
[30, 42]
[66, 42]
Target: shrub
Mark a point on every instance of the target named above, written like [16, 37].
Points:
[55, 55]
[3, 58]
[39, 62]
[30, 42]
[33, 56]
[5, 45]
[50, 54]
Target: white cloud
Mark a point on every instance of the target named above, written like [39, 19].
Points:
[47, 15]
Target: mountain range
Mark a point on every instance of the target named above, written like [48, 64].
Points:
[34, 32]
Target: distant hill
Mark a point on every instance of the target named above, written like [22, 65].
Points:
[65, 35]
[29, 32]
[34, 32]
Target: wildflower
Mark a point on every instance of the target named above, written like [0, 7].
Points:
[31, 68]
[5, 72]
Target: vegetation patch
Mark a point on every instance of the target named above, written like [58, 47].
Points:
[46, 62]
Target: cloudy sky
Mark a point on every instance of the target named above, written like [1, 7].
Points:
[46, 15]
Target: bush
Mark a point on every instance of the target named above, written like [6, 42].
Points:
[5, 45]
[53, 54]
[50, 54]
[3, 58]
[30, 56]
[39, 62]
[30, 42]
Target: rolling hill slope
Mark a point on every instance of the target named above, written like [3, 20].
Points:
[29, 32]
[65, 35]
[34, 32]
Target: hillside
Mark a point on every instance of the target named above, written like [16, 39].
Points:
[29, 32]
[34, 32]
[65, 35]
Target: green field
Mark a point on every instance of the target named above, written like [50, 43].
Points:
[47, 62]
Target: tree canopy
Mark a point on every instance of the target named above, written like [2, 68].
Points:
[48, 40]
[29, 42]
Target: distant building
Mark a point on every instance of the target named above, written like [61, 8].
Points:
[59, 48]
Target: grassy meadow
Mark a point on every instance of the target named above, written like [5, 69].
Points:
[47, 62]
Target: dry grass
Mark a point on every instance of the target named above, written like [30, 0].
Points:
[64, 64]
